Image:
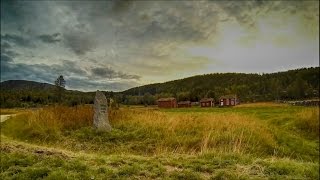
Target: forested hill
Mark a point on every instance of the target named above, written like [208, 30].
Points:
[292, 84]
[289, 85]
[22, 93]
[25, 85]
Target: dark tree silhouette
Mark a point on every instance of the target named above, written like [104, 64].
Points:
[60, 87]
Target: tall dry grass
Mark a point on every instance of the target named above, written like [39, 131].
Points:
[62, 117]
[135, 130]
[4, 111]
[308, 121]
[194, 133]
[48, 123]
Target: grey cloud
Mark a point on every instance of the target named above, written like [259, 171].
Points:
[11, 71]
[89, 85]
[119, 6]
[17, 40]
[247, 12]
[76, 77]
[111, 74]
[79, 43]
[143, 36]
[156, 67]
[6, 50]
[145, 21]
[244, 12]
[67, 67]
[128, 76]
[103, 72]
[180, 31]
[12, 13]
[38, 72]
[175, 22]
[5, 58]
[143, 27]
[50, 38]
[5, 45]
[72, 67]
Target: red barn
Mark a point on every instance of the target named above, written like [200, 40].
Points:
[228, 100]
[207, 102]
[184, 104]
[167, 102]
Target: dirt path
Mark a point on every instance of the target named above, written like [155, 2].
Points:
[6, 117]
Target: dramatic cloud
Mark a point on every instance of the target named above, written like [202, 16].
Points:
[5, 58]
[111, 74]
[78, 83]
[50, 38]
[79, 43]
[17, 40]
[121, 44]
[6, 50]
[42, 72]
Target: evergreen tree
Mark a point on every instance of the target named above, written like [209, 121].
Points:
[60, 87]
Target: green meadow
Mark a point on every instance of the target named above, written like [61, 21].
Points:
[250, 141]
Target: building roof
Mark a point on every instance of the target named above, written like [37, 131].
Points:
[184, 102]
[228, 96]
[206, 99]
[166, 99]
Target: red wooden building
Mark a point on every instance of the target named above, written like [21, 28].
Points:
[167, 102]
[207, 102]
[228, 100]
[184, 104]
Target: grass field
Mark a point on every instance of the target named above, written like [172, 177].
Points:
[252, 141]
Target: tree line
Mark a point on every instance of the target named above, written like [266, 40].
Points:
[289, 85]
[34, 95]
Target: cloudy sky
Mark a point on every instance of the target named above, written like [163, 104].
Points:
[116, 45]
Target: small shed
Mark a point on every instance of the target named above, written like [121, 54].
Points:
[228, 100]
[184, 104]
[207, 102]
[167, 102]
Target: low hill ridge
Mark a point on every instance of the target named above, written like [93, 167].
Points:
[25, 85]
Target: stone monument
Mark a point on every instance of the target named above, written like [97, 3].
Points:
[100, 117]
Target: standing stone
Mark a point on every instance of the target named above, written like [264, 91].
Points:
[100, 117]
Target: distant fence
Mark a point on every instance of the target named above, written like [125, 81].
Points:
[302, 103]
